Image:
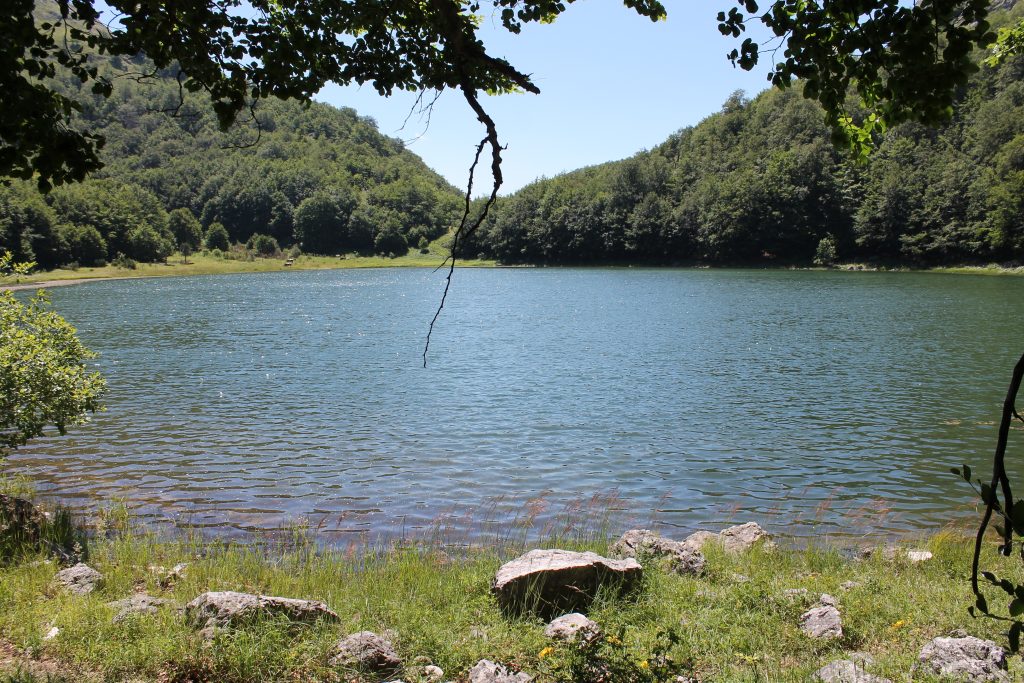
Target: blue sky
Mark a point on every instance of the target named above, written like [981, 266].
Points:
[612, 83]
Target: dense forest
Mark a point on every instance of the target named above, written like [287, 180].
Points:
[760, 182]
[320, 177]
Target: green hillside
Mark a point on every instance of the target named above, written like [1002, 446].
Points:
[760, 183]
[320, 176]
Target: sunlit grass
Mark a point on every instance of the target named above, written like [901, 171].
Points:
[733, 624]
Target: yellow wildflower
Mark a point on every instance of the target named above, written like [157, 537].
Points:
[644, 665]
[897, 625]
[545, 652]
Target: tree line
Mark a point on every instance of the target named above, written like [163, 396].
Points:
[759, 182]
[312, 175]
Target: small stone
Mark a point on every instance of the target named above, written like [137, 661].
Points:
[139, 603]
[849, 585]
[740, 578]
[822, 622]
[177, 572]
[52, 633]
[918, 556]
[794, 593]
[965, 659]
[557, 581]
[846, 671]
[827, 600]
[681, 558]
[366, 651]
[486, 671]
[80, 579]
[432, 674]
[573, 627]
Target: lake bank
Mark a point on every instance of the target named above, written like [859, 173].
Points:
[740, 619]
[200, 264]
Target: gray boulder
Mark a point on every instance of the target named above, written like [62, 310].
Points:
[557, 581]
[366, 651]
[486, 671]
[140, 603]
[822, 621]
[80, 579]
[681, 558]
[735, 539]
[218, 609]
[846, 671]
[573, 627]
[964, 659]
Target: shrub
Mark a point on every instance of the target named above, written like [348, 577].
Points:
[85, 245]
[424, 245]
[122, 261]
[825, 255]
[390, 241]
[146, 244]
[264, 245]
[217, 237]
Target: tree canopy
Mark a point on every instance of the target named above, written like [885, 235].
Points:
[904, 61]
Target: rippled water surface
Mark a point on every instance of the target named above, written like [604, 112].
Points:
[814, 402]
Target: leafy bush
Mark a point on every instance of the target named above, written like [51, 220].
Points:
[43, 377]
[85, 245]
[122, 261]
[390, 241]
[217, 237]
[825, 255]
[264, 245]
[146, 244]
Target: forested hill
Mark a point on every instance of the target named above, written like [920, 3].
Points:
[320, 176]
[759, 182]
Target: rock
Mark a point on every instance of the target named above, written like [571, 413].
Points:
[432, 674]
[139, 603]
[827, 600]
[227, 608]
[964, 659]
[735, 539]
[849, 585]
[891, 553]
[697, 539]
[52, 633]
[486, 671]
[822, 621]
[170, 578]
[918, 556]
[793, 593]
[846, 671]
[573, 627]
[558, 581]
[80, 579]
[366, 651]
[681, 558]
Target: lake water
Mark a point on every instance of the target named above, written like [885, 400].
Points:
[813, 402]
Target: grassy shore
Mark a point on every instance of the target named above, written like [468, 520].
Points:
[206, 264]
[736, 623]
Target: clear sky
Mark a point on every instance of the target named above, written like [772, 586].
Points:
[612, 83]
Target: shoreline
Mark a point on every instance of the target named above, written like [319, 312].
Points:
[208, 266]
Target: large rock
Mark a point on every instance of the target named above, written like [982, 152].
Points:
[486, 671]
[822, 621]
[964, 659]
[552, 582]
[571, 628]
[80, 579]
[366, 651]
[846, 671]
[735, 539]
[680, 557]
[140, 603]
[218, 609]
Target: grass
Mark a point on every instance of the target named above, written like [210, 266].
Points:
[207, 264]
[733, 624]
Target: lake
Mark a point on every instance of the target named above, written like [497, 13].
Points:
[817, 403]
